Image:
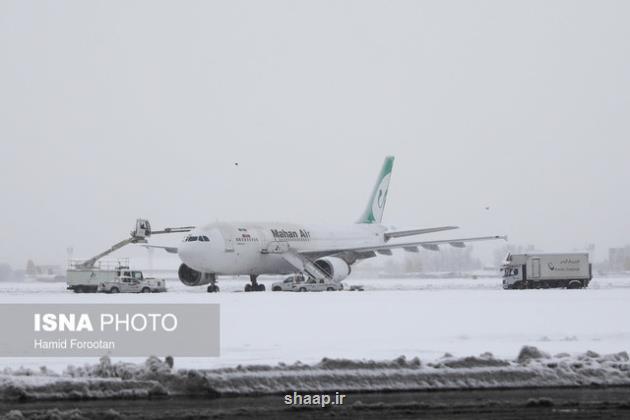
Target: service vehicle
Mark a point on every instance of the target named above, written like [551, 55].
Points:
[301, 283]
[111, 277]
[544, 271]
[132, 281]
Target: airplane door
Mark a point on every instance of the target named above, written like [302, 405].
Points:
[535, 268]
[228, 233]
[276, 247]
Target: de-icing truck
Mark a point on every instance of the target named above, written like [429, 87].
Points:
[543, 271]
[93, 275]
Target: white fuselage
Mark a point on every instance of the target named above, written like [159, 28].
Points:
[247, 248]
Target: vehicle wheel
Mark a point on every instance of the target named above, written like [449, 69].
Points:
[302, 289]
[330, 289]
[114, 290]
[248, 287]
[77, 290]
[146, 290]
[261, 287]
[213, 288]
[574, 284]
[276, 289]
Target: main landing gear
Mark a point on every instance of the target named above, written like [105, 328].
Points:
[254, 287]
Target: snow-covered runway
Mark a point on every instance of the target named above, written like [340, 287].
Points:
[423, 318]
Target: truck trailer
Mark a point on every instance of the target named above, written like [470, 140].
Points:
[544, 271]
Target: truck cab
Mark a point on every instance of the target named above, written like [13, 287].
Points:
[130, 275]
[131, 281]
[290, 283]
[512, 275]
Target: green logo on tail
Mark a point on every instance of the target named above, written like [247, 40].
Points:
[374, 211]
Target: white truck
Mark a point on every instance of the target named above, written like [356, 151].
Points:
[544, 271]
[301, 283]
[109, 278]
[132, 281]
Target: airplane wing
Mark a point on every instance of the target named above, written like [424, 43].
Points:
[401, 233]
[169, 249]
[351, 254]
[303, 261]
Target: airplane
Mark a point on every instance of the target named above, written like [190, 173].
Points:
[319, 251]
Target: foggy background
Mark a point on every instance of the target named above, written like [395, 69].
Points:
[111, 111]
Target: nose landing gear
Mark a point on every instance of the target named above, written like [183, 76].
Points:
[212, 287]
[254, 286]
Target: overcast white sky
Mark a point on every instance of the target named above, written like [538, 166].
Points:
[115, 110]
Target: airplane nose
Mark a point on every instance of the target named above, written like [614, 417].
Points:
[186, 253]
[192, 254]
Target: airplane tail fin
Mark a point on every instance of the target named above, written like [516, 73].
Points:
[374, 211]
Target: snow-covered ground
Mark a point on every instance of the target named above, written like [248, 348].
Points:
[155, 378]
[393, 317]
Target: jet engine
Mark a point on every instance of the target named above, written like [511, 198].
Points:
[191, 277]
[335, 267]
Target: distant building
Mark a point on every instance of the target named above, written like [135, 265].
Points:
[46, 273]
[619, 258]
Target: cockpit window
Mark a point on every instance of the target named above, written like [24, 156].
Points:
[201, 238]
